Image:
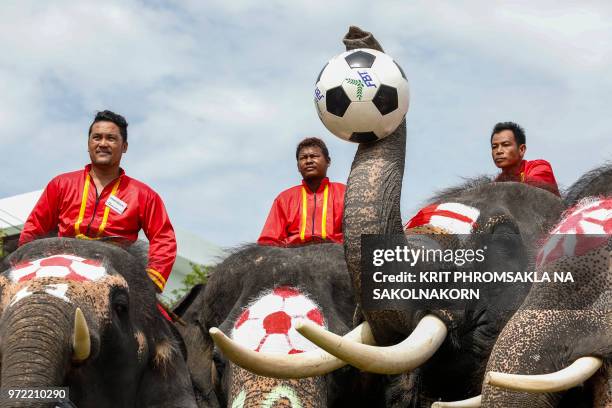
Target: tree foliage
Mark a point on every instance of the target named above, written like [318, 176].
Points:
[198, 274]
[2, 235]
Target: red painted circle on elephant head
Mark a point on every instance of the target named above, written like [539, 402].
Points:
[286, 292]
[316, 316]
[587, 227]
[56, 261]
[22, 265]
[244, 316]
[68, 267]
[266, 324]
[277, 323]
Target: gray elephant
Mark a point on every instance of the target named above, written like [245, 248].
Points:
[446, 353]
[256, 295]
[83, 315]
[558, 346]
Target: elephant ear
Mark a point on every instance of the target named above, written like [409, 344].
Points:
[183, 305]
[167, 382]
[199, 346]
[357, 38]
[506, 251]
[505, 246]
[4, 265]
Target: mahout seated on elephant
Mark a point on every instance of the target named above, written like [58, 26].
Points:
[558, 345]
[83, 314]
[446, 353]
[256, 295]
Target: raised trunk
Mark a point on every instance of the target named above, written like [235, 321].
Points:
[372, 200]
[35, 346]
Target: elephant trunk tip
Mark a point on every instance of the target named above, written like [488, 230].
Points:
[355, 32]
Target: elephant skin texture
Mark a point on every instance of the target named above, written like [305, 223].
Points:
[133, 358]
[254, 296]
[556, 325]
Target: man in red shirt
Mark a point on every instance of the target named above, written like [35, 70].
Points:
[102, 201]
[312, 211]
[508, 148]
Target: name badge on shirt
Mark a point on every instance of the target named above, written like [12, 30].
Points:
[116, 204]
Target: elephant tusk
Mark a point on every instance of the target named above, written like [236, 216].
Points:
[308, 364]
[474, 402]
[81, 342]
[580, 370]
[405, 356]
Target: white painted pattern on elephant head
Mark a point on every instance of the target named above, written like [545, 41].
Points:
[586, 226]
[280, 392]
[71, 278]
[267, 324]
[68, 267]
[455, 218]
[54, 289]
[22, 293]
[238, 402]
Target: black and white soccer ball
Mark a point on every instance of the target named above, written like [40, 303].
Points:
[361, 95]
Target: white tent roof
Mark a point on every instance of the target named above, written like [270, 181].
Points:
[15, 210]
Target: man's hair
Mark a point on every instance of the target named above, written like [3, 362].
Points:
[108, 116]
[519, 132]
[311, 142]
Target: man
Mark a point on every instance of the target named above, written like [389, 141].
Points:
[102, 201]
[312, 211]
[508, 148]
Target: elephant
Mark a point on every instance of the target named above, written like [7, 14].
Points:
[256, 295]
[83, 315]
[563, 328]
[445, 356]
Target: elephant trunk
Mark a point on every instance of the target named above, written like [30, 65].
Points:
[36, 348]
[372, 200]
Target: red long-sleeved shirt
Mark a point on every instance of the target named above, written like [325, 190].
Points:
[299, 215]
[71, 205]
[538, 173]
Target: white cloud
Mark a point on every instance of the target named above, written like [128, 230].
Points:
[219, 93]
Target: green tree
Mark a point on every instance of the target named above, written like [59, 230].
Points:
[198, 274]
[2, 235]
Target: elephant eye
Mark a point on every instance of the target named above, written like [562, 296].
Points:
[218, 361]
[120, 309]
[120, 302]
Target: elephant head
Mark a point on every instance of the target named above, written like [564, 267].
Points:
[556, 351]
[444, 350]
[257, 295]
[83, 315]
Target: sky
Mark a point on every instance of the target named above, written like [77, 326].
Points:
[218, 93]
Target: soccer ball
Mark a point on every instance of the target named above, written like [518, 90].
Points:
[268, 324]
[361, 95]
